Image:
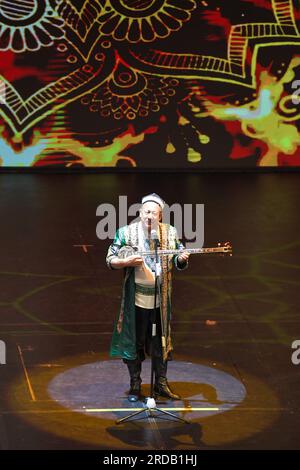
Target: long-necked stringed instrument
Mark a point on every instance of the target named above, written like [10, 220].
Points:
[222, 248]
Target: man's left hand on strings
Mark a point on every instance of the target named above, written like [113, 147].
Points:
[183, 257]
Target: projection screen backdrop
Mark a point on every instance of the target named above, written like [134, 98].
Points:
[171, 84]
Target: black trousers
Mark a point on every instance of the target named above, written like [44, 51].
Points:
[145, 343]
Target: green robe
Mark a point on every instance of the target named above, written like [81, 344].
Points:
[123, 343]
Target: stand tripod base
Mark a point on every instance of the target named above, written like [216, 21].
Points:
[149, 409]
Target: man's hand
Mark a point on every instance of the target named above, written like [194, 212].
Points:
[130, 262]
[133, 261]
[183, 257]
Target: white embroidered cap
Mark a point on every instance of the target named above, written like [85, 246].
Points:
[154, 198]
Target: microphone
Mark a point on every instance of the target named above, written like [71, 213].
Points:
[155, 239]
[154, 236]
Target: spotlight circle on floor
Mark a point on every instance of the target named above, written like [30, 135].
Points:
[99, 388]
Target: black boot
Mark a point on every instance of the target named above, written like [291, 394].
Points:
[134, 368]
[161, 386]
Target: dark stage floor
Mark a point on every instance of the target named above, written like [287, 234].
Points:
[234, 319]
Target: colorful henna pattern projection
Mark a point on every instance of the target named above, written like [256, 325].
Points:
[149, 83]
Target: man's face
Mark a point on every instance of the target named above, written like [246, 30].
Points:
[150, 215]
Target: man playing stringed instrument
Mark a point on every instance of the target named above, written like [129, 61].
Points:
[132, 336]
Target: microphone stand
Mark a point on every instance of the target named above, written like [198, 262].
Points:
[150, 404]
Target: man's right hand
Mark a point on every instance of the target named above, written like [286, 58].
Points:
[133, 261]
[130, 262]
